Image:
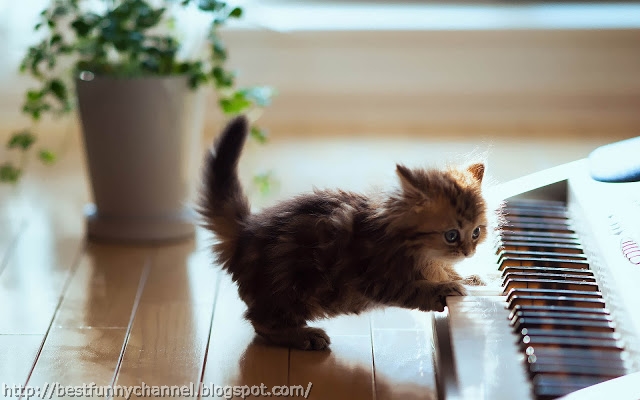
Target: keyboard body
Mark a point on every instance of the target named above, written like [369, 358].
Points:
[581, 320]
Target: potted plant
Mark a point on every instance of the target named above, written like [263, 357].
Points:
[123, 63]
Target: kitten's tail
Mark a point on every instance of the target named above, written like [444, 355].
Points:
[223, 204]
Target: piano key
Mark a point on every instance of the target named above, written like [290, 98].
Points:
[576, 310]
[536, 235]
[538, 220]
[543, 270]
[541, 262]
[560, 240]
[541, 254]
[515, 245]
[570, 333]
[571, 343]
[556, 314]
[547, 273]
[521, 300]
[553, 293]
[611, 365]
[537, 204]
[549, 284]
[559, 323]
[579, 370]
[609, 355]
[527, 227]
[550, 386]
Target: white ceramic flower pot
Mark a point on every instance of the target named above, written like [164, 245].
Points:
[141, 139]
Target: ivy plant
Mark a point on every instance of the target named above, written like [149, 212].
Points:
[128, 38]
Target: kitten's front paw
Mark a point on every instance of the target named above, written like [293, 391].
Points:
[445, 290]
[312, 339]
[474, 280]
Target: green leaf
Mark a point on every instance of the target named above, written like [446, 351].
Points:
[55, 39]
[218, 50]
[222, 78]
[47, 156]
[60, 11]
[38, 26]
[235, 104]
[34, 95]
[58, 89]
[22, 140]
[81, 27]
[211, 5]
[149, 18]
[259, 134]
[260, 95]
[196, 79]
[264, 182]
[9, 173]
[236, 13]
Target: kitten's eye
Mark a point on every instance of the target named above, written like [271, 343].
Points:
[452, 235]
[476, 233]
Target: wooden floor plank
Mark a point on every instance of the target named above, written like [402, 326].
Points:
[103, 288]
[77, 358]
[403, 364]
[17, 355]
[168, 338]
[345, 372]
[34, 278]
[234, 357]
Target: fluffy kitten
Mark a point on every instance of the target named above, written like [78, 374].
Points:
[327, 253]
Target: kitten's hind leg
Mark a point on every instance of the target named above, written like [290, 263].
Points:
[300, 337]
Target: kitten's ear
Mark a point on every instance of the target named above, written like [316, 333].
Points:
[477, 171]
[407, 180]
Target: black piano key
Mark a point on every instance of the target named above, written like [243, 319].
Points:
[557, 293]
[541, 236]
[560, 323]
[576, 370]
[550, 284]
[612, 363]
[529, 219]
[527, 227]
[541, 262]
[547, 270]
[541, 254]
[557, 314]
[560, 215]
[547, 274]
[571, 343]
[578, 311]
[571, 240]
[609, 335]
[586, 355]
[538, 246]
[536, 204]
[555, 301]
[551, 386]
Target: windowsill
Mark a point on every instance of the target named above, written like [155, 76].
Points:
[332, 16]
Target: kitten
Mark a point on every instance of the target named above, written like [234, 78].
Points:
[328, 253]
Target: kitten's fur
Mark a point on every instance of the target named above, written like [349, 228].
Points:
[334, 252]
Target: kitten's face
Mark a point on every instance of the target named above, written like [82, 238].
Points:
[447, 216]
